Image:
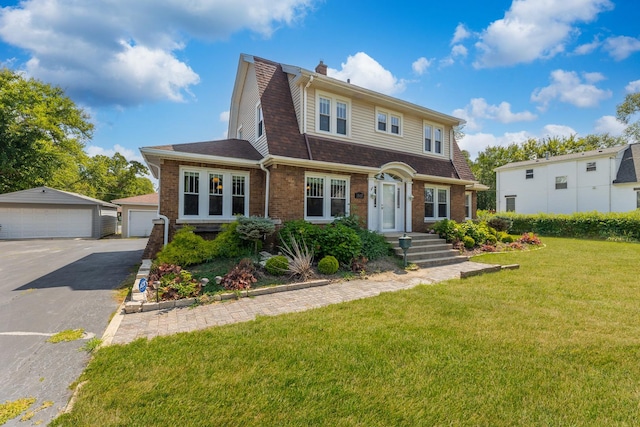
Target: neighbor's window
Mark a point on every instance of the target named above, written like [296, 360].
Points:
[326, 197]
[591, 166]
[223, 197]
[529, 174]
[436, 202]
[511, 203]
[433, 138]
[333, 115]
[637, 199]
[561, 182]
[259, 121]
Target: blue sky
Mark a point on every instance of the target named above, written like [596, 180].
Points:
[154, 72]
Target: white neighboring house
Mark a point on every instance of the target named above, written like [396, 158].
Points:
[606, 180]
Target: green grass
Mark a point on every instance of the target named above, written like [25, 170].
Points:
[556, 342]
[66, 335]
[11, 409]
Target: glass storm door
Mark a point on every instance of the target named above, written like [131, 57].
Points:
[389, 206]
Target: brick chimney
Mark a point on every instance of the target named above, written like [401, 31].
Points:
[321, 68]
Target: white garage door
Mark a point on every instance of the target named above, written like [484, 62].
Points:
[141, 223]
[25, 223]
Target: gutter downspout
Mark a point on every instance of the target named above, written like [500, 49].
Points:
[306, 140]
[266, 190]
[162, 217]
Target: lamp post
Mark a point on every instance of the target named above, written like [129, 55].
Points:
[405, 244]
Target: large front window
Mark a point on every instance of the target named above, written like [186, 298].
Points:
[325, 197]
[332, 114]
[222, 196]
[436, 203]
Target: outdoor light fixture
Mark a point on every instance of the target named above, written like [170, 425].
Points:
[405, 244]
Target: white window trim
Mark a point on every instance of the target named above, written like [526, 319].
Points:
[258, 109]
[435, 207]
[389, 114]
[334, 114]
[326, 196]
[506, 203]
[433, 138]
[239, 132]
[468, 196]
[203, 195]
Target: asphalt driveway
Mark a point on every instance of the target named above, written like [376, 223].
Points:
[47, 286]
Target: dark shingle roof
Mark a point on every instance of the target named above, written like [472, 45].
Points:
[233, 148]
[629, 170]
[328, 150]
[280, 121]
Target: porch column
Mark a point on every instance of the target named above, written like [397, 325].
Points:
[372, 214]
[408, 222]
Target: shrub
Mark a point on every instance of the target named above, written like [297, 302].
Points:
[174, 282]
[277, 265]
[449, 230]
[328, 265]
[374, 245]
[228, 243]
[359, 264]
[240, 277]
[529, 239]
[186, 248]
[468, 242]
[491, 240]
[302, 231]
[254, 228]
[299, 256]
[500, 223]
[508, 238]
[340, 241]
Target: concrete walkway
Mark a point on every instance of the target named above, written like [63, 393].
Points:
[125, 328]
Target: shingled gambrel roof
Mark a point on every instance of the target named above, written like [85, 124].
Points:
[629, 170]
[233, 148]
[328, 150]
[280, 122]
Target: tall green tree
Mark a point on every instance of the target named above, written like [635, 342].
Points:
[109, 178]
[628, 110]
[42, 134]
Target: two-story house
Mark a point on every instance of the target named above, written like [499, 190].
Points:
[303, 145]
[606, 180]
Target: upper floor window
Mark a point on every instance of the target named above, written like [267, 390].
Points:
[591, 166]
[433, 138]
[326, 197]
[561, 182]
[388, 122]
[529, 174]
[436, 202]
[259, 121]
[333, 115]
[239, 133]
[223, 195]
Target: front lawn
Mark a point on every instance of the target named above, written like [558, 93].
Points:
[556, 342]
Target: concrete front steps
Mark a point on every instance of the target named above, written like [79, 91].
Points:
[427, 250]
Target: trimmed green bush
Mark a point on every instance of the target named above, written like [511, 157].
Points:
[374, 245]
[468, 242]
[328, 265]
[340, 241]
[301, 231]
[186, 248]
[228, 243]
[277, 265]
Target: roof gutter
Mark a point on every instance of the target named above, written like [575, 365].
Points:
[173, 155]
[266, 189]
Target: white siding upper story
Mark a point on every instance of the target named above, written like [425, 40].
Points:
[248, 107]
[566, 184]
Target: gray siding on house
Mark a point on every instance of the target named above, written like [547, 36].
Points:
[108, 222]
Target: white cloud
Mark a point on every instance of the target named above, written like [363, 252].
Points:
[365, 71]
[479, 109]
[94, 150]
[558, 130]
[224, 116]
[475, 143]
[534, 29]
[621, 47]
[633, 86]
[610, 125]
[587, 48]
[460, 34]
[125, 53]
[568, 87]
[458, 50]
[421, 65]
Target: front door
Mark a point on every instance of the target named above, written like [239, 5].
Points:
[390, 206]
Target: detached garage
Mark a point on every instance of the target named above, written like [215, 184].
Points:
[138, 213]
[44, 212]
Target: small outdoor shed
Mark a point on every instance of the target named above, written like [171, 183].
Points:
[138, 213]
[44, 212]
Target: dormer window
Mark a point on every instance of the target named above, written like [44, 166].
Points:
[433, 138]
[333, 114]
[388, 122]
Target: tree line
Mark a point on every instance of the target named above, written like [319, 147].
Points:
[42, 139]
[493, 157]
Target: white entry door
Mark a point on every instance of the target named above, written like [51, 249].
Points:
[390, 207]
